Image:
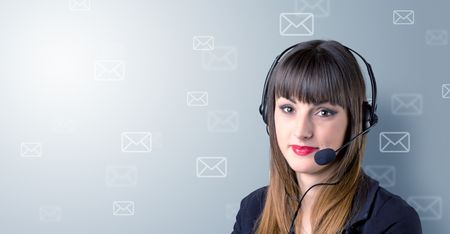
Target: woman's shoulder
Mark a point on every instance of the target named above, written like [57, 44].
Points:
[395, 205]
[392, 211]
[250, 209]
[254, 201]
[257, 194]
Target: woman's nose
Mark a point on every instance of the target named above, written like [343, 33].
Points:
[303, 128]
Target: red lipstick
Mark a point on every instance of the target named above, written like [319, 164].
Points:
[303, 150]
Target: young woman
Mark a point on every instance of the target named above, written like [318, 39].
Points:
[314, 106]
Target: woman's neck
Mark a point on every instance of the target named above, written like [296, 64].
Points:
[305, 182]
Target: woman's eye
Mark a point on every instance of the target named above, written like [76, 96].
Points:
[286, 108]
[325, 112]
[322, 112]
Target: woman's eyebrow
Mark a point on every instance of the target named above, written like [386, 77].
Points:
[290, 99]
[322, 103]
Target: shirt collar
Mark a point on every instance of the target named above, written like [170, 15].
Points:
[367, 196]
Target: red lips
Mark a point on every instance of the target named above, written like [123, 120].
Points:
[303, 150]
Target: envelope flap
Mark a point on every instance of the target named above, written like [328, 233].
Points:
[394, 137]
[380, 171]
[313, 3]
[123, 205]
[403, 14]
[425, 204]
[297, 19]
[407, 100]
[31, 147]
[121, 172]
[137, 138]
[437, 34]
[212, 163]
[80, 2]
[197, 95]
[50, 211]
[110, 66]
[224, 116]
[203, 40]
[222, 53]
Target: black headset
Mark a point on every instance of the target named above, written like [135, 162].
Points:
[369, 116]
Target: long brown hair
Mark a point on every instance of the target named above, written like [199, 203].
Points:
[314, 72]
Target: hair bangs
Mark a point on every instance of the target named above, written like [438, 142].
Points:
[313, 79]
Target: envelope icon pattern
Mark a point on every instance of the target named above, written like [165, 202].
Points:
[136, 142]
[406, 104]
[31, 149]
[436, 37]
[385, 174]
[80, 5]
[220, 59]
[428, 207]
[223, 121]
[296, 24]
[123, 208]
[403, 17]
[197, 98]
[121, 176]
[446, 91]
[109, 70]
[203, 43]
[320, 8]
[210, 167]
[231, 210]
[50, 213]
[394, 142]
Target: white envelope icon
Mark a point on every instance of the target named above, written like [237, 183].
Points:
[80, 5]
[385, 174]
[109, 70]
[223, 121]
[136, 142]
[428, 207]
[406, 104]
[446, 91]
[123, 208]
[220, 59]
[50, 213]
[436, 37]
[296, 24]
[210, 167]
[320, 8]
[394, 142]
[403, 17]
[28, 149]
[121, 176]
[203, 43]
[197, 98]
[231, 210]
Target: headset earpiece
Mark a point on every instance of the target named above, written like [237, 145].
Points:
[369, 116]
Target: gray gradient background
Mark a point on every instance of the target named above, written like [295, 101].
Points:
[48, 94]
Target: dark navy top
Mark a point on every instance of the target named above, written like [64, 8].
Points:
[379, 211]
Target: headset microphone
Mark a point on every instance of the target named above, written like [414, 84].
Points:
[328, 155]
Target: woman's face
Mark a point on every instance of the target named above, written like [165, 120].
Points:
[299, 124]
